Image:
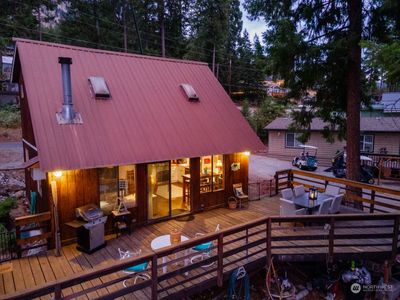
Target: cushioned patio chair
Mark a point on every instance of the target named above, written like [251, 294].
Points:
[324, 208]
[204, 250]
[239, 194]
[299, 190]
[134, 271]
[287, 194]
[336, 204]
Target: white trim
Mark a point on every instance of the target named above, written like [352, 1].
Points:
[29, 144]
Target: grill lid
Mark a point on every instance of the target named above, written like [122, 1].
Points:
[89, 212]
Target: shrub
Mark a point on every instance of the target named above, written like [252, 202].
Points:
[5, 207]
[10, 116]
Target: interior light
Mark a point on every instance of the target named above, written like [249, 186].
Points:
[58, 174]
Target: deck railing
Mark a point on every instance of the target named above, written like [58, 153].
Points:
[252, 244]
[372, 198]
[259, 189]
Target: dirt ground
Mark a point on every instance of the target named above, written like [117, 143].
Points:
[10, 134]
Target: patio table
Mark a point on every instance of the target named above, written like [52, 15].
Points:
[304, 202]
[165, 241]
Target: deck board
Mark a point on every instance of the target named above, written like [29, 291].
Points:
[36, 270]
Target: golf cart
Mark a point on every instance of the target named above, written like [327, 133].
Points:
[339, 168]
[306, 161]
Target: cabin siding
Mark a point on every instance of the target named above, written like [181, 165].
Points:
[390, 141]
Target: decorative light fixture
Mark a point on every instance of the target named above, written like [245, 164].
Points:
[57, 174]
[313, 194]
[247, 153]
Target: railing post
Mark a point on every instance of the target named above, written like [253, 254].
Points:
[220, 267]
[331, 238]
[372, 205]
[276, 183]
[154, 278]
[268, 245]
[395, 236]
[57, 292]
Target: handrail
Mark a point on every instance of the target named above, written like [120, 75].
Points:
[237, 232]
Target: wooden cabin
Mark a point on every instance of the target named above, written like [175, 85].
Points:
[99, 126]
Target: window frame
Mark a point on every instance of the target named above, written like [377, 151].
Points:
[294, 139]
[212, 190]
[363, 142]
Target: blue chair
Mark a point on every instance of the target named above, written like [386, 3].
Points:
[204, 249]
[134, 270]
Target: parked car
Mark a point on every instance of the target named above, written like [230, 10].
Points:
[306, 161]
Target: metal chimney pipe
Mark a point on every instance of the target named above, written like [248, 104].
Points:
[67, 111]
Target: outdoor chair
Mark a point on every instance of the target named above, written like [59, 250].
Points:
[299, 190]
[239, 194]
[134, 271]
[287, 194]
[204, 250]
[288, 208]
[325, 207]
[332, 190]
[336, 204]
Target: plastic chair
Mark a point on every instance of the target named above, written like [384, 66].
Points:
[204, 249]
[325, 207]
[134, 270]
[288, 208]
[336, 203]
[299, 190]
[287, 194]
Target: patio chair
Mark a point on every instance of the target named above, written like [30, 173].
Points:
[287, 194]
[288, 208]
[204, 249]
[336, 204]
[325, 207]
[134, 271]
[299, 190]
[332, 190]
[239, 194]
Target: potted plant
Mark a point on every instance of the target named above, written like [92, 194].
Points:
[232, 203]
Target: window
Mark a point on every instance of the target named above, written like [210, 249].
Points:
[114, 183]
[367, 143]
[292, 140]
[211, 173]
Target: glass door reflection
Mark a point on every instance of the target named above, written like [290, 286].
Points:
[159, 205]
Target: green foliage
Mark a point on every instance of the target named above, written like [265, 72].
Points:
[269, 109]
[5, 207]
[246, 110]
[10, 116]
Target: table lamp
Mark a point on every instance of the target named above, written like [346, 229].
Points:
[313, 195]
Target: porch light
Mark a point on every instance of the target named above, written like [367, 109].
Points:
[246, 153]
[57, 174]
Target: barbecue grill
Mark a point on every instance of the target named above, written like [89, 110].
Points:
[89, 228]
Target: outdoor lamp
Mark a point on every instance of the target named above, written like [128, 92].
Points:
[313, 194]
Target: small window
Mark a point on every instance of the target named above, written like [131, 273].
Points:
[367, 143]
[291, 140]
[190, 92]
[211, 173]
[99, 87]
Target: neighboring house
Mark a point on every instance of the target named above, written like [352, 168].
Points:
[388, 105]
[376, 133]
[161, 132]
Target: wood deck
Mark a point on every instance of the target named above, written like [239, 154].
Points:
[288, 243]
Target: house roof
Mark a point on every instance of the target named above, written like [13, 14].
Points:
[371, 124]
[147, 119]
[391, 102]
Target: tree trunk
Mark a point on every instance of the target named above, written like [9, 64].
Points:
[354, 92]
[162, 27]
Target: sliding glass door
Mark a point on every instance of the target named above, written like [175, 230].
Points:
[168, 188]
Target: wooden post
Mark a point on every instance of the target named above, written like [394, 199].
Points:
[276, 183]
[386, 272]
[57, 236]
[220, 267]
[372, 205]
[57, 292]
[268, 229]
[395, 236]
[331, 238]
[154, 278]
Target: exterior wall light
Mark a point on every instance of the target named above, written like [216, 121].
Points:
[247, 153]
[57, 174]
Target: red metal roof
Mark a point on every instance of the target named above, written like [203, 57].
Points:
[148, 118]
